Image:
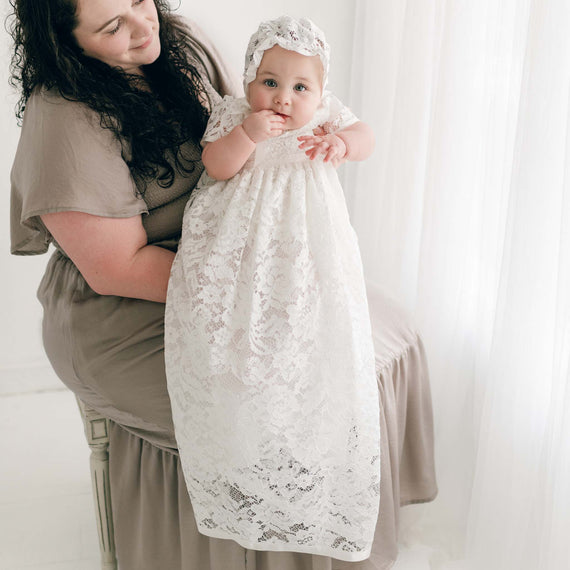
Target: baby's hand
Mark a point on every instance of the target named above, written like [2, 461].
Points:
[263, 125]
[331, 145]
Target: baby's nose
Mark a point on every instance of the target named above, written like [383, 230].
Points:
[282, 97]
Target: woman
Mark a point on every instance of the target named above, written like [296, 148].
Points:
[113, 102]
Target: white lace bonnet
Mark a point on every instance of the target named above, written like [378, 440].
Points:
[299, 35]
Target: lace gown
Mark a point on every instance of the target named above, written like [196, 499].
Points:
[269, 355]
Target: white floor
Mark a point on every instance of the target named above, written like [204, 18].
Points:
[47, 520]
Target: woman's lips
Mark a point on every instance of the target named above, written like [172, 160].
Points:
[146, 43]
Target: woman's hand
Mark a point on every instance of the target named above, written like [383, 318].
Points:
[263, 125]
[330, 145]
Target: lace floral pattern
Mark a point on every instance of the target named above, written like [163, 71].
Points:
[269, 354]
[226, 113]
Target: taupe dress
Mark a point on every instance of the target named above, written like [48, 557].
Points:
[109, 350]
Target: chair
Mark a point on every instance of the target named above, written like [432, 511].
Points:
[97, 434]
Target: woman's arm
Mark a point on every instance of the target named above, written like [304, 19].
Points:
[112, 254]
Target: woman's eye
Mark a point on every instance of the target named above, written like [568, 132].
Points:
[116, 28]
[270, 83]
[300, 87]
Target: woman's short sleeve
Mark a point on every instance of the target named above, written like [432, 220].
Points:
[226, 114]
[65, 161]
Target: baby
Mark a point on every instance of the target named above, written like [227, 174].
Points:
[269, 355]
[284, 96]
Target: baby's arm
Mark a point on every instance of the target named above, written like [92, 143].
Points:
[224, 157]
[355, 142]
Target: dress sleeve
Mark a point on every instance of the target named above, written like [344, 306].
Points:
[65, 161]
[226, 114]
[339, 115]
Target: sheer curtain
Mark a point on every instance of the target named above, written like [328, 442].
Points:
[463, 215]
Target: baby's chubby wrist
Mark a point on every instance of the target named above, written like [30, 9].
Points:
[346, 155]
[242, 130]
[262, 125]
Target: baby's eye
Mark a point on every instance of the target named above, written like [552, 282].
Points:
[270, 82]
[300, 87]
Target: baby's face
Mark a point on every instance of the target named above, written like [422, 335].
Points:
[289, 84]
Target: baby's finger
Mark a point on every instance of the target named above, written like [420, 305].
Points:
[312, 152]
[308, 141]
[331, 154]
[320, 148]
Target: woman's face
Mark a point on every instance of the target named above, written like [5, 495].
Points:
[121, 33]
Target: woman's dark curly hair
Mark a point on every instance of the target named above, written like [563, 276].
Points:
[151, 125]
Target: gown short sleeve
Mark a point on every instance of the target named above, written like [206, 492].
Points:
[65, 161]
[227, 113]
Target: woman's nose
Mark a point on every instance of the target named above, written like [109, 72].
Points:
[142, 28]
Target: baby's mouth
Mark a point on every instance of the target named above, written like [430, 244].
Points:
[283, 115]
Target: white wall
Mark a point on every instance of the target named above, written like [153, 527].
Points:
[229, 23]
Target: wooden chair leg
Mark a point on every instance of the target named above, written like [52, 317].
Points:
[97, 433]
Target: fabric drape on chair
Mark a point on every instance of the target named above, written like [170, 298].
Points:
[463, 215]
